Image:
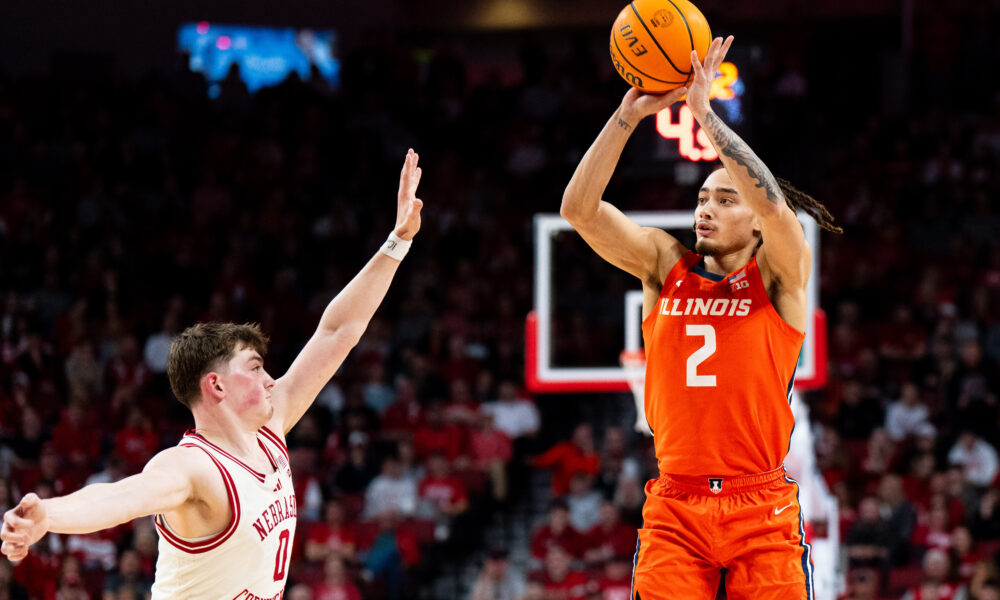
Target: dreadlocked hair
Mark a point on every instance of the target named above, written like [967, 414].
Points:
[796, 199]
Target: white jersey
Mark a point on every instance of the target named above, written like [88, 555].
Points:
[248, 560]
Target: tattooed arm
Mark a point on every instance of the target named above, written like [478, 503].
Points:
[637, 250]
[785, 256]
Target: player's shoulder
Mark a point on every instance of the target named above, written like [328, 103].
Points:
[669, 250]
[183, 460]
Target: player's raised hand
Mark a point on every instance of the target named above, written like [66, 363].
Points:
[23, 525]
[637, 105]
[704, 74]
[408, 205]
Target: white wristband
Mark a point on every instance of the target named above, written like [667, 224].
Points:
[395, 247]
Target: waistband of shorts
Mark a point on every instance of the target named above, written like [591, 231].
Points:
[711, 485]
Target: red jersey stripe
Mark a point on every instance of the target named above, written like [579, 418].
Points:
[199, 546]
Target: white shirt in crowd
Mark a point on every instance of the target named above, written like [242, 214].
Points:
[979, 461]
[385, 493]
[516, 418]
[902, 421]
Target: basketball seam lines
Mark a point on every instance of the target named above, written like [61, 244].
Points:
[653, 37]
[690, 36]
[644, 74]
[686, 26]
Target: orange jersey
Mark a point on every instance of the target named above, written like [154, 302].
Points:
[719, 368]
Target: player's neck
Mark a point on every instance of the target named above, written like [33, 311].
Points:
[726, 263]
[237, 438]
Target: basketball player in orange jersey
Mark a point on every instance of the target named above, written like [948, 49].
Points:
[723, 326]
[223, 499]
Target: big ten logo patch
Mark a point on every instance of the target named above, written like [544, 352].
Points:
[662, 18]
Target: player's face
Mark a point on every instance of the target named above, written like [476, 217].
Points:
[250, 386]
[723, 222]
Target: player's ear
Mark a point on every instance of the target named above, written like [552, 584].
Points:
[212, 386]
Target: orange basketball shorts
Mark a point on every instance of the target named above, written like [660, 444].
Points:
[694, 527]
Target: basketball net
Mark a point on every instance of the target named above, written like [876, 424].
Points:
[634, 364]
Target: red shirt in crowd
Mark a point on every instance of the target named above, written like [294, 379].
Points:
[567, 459]
[336, 538]
[615, 589]
[343, 591]
[619, 539]
[402, 416]
[569, 540]
[572, 587]
[488, 446]
[442, 492]
[447, 439]
[135, 446]
[69, 439]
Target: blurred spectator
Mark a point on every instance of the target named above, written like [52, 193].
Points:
[904, 416]
[558, 578]
[615, 582]
[437, 435]
[862, 584]
[335, 535]
[898, 515]
[858, 414]
[496, 581]
[443, 495]
[569, 457]
[490, 450]
[300, 592]
[393, 550]
[358, 472]
[584, 502]
[390, 491]
[136, 442]
[629, 498]
[513, 414]
[404, 415]
[985, 520]
[609, 537]
[964, 555]
[936, 579]
[557, 532]
[12, 590]
[379, 396]
[76, 439]
[990, 590]
[335, 584]
[616, 464]
[461, 408]
[868, 540]
[935, 533]
[158, 344]
[974, 390]
[977, 457]
[128, 575]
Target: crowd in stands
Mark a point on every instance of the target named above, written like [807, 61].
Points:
[131, 209]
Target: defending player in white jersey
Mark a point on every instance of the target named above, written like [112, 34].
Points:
[222, 498]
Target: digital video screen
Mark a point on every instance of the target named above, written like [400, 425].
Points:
[265, 55]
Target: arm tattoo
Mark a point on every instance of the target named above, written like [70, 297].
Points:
[624, 124]
[735, 148]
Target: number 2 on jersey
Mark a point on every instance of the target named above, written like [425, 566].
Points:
[699, 355]
[281, 559]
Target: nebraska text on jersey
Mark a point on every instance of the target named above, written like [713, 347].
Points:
[248, 559]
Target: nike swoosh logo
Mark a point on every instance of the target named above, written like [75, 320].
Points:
[778, 511]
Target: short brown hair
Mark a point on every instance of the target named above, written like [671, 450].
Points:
[199, 347]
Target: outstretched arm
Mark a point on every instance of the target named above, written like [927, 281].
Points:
[785, 251]
[618, 240]
[346, 317]
[165, 484]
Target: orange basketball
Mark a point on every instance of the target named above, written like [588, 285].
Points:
[651, 43]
